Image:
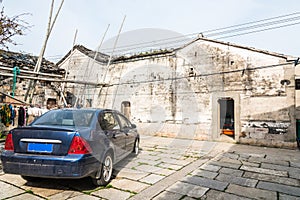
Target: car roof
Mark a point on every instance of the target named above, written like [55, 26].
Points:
[86, 109]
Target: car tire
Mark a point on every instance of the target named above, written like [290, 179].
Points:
[30, 178]
[105, 171]
[298, 144]
[136, 146]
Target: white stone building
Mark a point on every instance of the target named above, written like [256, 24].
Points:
[202, 90]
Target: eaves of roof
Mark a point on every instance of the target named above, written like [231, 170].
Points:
[143, 55]
[101, 57]
[234, 45]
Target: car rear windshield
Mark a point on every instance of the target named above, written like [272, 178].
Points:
[66, 118]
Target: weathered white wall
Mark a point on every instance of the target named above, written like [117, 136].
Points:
[83, 68]
[175, 94]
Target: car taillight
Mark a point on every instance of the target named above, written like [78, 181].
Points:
[9, 145]
[79, 146]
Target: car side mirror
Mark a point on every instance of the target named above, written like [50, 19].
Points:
[133, 126]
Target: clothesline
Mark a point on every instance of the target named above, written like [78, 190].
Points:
[24, 114]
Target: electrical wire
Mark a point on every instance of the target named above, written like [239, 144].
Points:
[257, 31]
[218, 29]
[220, 33]
[253, 22]
[225, 33]
[201, 75]
[174, 41]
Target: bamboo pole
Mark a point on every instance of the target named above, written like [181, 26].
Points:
[56, 80]
[31, 72]
[109, 61]
[39, 62]
[62, 91]
[23, 102]
[88, 67]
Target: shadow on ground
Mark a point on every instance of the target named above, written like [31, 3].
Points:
[82, 185]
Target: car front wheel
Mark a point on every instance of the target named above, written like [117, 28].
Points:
[104, 174]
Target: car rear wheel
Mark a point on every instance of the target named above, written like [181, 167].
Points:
[104, 173]
[136, 146]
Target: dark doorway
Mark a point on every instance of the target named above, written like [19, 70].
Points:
[51, 103]
[70, 98]
[227, 116]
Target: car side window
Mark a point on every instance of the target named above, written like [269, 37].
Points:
[124, 123]
[108, 121]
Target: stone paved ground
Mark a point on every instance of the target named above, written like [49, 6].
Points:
[169, 168]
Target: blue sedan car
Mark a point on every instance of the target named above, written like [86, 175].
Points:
[70, 143]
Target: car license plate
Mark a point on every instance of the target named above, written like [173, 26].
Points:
[40, 147]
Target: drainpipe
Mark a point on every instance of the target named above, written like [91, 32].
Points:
[16, 71]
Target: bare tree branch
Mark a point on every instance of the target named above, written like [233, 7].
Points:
[10, 27]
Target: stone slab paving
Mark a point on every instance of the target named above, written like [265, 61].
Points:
[68, 194]
[152, 179]
[169, 168]
[251, 192]
[8, 190]
[26, 196]
[167, 195]
[112, 194]
[187, 189]
[129, 185]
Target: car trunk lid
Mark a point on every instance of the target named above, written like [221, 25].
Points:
[43, 140]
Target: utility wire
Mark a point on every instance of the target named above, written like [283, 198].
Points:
[253, 22]
[220, 33]
[203, 75]
[255, 26]
[217, 32]
[184, 37]
[261, 30]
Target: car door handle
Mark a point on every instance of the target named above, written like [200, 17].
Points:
[116, 135]
[110, 135]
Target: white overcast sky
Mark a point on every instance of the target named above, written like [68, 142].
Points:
[91, 18]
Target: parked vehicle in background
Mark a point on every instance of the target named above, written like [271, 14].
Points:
[70, 143]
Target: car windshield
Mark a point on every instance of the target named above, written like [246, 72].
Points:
[66, 118]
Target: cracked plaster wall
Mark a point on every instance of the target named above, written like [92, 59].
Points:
[176, 94]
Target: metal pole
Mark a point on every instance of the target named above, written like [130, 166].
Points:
[16, 71]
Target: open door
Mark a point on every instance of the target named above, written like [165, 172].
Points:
[226, 116]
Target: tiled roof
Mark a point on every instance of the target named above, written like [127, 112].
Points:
[27, 62]
[101, 57]
[162, 52]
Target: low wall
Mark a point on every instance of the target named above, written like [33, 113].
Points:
[200, 132]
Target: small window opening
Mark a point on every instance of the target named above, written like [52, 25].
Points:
[126, 108]
[297, 84]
